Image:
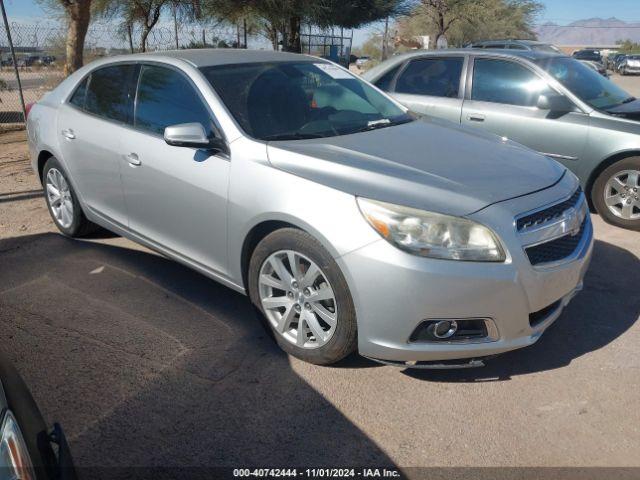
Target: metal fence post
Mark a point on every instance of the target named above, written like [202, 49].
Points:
[15, 63]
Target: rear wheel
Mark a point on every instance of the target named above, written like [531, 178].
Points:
[616, 193]
[304, 297]
[62, 201]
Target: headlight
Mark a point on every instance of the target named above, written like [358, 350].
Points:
[432, 234]
[14, 457]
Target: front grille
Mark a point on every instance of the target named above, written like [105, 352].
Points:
[548, 214]
[557, 249]
[540, 316]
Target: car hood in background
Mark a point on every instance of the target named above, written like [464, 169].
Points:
[430, 164]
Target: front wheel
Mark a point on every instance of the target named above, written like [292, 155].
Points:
[616, 193]
[300, 290]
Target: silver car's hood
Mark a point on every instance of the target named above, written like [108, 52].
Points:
[430, 164]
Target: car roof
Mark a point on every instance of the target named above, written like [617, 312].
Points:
[510, 40]
[206, 57]
[485, 52]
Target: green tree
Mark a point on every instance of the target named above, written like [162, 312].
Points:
[464, 21]
[77, 13]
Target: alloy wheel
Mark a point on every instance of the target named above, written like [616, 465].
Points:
[59, 197]
[622, 194]
[297, 299]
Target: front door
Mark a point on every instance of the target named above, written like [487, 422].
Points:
[176, 196]
[503, 100]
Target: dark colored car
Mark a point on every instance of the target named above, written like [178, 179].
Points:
[588, 54]
[26, 443]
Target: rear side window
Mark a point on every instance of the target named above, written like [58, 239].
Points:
[166, 97]
[438, 77]
[108, 94]
[502, 81]
[79, 95]
[384, 82]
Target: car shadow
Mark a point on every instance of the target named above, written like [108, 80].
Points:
[607, 307]
[156, 371]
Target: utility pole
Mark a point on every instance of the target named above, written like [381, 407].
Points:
[15, 63]
[384, 39]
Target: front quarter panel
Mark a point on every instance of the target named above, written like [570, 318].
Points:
[259, 192]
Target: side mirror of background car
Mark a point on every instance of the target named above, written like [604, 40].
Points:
[191, 135]
[555, 103]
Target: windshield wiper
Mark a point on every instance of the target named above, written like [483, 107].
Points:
[629, 100]
[291, 136]
[382, 123]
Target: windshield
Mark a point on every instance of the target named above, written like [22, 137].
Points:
[585, 83]
[297, 100]
[587, 55]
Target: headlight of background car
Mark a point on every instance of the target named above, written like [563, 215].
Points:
[432, 234]
[14, 457]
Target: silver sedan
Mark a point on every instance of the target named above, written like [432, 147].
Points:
[348, 222]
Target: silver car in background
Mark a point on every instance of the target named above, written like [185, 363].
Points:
[548, 102]
[348, 222]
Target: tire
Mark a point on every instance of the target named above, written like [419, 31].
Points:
[343, 334]
[29, 420]
[601, 188]
[78, 225]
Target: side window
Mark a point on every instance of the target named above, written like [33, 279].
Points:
[166, 97]
[438, 77]
[108, 94]
[515, 46]
[384, 82]
[79, 95]
[503, 81]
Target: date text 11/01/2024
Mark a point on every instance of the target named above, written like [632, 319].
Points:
[317, 472]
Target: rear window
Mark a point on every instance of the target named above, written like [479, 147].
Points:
[384, 82]
[437, 77]
[109, 93]
[79, 95]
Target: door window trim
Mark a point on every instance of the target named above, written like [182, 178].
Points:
[463, 74]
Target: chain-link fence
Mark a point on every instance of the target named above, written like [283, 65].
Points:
[40, 52]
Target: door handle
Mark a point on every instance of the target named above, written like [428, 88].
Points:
[68, 134]
[475, 117]
[133, 160]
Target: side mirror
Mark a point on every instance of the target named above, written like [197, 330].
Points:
[555, 103]
[190, 135]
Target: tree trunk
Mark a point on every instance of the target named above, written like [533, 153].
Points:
[385, 40]
[294, 44]
[175, 24]
[79, 14]
[143, 41]
[244, 31]
[130, 36]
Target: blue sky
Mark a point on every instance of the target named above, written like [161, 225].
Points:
[558, 11]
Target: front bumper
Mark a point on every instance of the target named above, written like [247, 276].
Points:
[394, 292]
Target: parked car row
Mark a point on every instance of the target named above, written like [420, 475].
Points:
[348, 220]
[548, 102]
[30, 61]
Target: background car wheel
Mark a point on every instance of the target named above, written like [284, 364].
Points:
[62, 201]
[303, 296]
[616, 193]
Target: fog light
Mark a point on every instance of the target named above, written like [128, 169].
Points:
[458, 330]
[444, 328]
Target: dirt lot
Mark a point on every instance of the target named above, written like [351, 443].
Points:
[147, 363]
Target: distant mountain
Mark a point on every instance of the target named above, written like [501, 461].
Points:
[592, 31]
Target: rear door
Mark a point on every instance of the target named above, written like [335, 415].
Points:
[90, 126]
[501, 98]
[432, 86]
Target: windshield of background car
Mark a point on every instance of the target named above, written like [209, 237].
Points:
[546, 48]
[593, 56]
[585, 82]
[296, 100]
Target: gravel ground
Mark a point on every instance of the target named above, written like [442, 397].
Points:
[146, 363]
